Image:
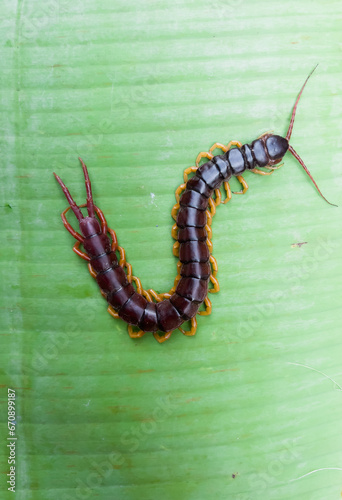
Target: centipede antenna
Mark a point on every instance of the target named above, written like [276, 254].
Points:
[289, 132]
[298, 158]
[90, 202]
[73, 206]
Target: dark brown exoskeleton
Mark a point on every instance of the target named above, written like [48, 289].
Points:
[197, 268]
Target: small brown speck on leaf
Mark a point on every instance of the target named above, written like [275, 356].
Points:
[294, 245]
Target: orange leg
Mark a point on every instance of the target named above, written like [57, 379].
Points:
[243, 184]
[269, 132]
[188, 171]
[234, 143]
[209, 217]
[193, 328]
[213, 263]
[212, 207]
[76, 249]
[216, 286]
[174, 211]
[228, 192]
[207, 155]
[218, 197]
[114, 239]
[260, 172]
[179, 191]
[138, 284]
[69, 228]
[147, 295]
[135, 334]
[91, 271]
[269, 167]
[218, 145]
[208, 308]
[122, 253]
[112, 312]
[103, 221]
[162, 338]
[174, 231]
[175, 249]
[154, 295]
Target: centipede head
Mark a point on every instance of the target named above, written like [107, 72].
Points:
[276, 147]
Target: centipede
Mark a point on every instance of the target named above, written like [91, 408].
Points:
[205, 187]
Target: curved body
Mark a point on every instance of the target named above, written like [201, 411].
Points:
[191, 290]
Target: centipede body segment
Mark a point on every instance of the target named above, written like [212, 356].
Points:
[197, 198]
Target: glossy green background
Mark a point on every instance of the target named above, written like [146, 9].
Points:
[250, 408]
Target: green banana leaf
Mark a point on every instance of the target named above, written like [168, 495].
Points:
[250, 407]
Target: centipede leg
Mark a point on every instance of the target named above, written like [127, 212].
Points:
[266, 133]
[203, 154]
[69, 228]
[124, 264]
[261, 172]
[103, 221]
[154, 295]
[176, 207]
[174, 231]
[209, 217]
[114, 245]
[213, 279]
[217, 199]
[162, 338]
[243, 184]
[208, 308]
[175, 249]
[213, 264]
[271, 168]
[179, 190]
[192, 330]
[228, 192]
[187, 171]
[135, 334]
[174, 211]
[78, 251]
[91, 270]
[215, 283]
[112, 312]
[218, 145]
[234, 143]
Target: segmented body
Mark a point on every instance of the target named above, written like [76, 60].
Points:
[196, 267]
